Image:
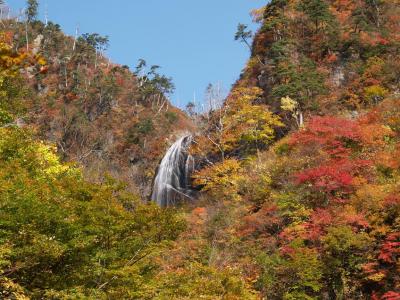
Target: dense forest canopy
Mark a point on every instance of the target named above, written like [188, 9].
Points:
[296, 172]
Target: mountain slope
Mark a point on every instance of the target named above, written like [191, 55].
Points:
[62, 237]
[99, 114]
[298, 169]
[328, 56]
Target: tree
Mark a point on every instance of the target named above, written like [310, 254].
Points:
[243, 34]
[153, 86]
[248, 125]
[292, 106]
[191, 109]
[214, 97]
[317, 11]
[98, 42]
[12, 87]
[220, 180]
[258, 14]
[300, 81]
[94, 40]
[32, 10]
[215, 111]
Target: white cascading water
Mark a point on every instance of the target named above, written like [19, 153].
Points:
[172, 181]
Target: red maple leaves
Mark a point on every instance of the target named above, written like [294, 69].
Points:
[390, 250]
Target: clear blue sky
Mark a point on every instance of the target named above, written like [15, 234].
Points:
[191, 40]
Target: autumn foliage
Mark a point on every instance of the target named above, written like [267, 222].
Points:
[296, 184]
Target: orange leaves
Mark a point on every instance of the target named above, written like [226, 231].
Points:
[199, 215]
[258, 14]
[71, 96]
[373, 38]
[332, 58]
[263, 222]
[374, 135]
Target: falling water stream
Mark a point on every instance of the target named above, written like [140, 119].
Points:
[171, 184]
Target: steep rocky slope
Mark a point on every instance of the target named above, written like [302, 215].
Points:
[99, 114]
[298, 169]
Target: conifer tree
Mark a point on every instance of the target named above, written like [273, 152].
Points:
[317, 11]
[243, 34]
[32, 10]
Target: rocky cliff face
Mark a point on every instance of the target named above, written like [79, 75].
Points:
[328, 56]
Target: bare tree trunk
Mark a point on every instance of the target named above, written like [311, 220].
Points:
[299, 118]
[66, 76]
[75, 38]
[26, 36]
[46, 16]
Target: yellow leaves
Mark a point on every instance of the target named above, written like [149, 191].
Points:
[243, 96]
[49, 160]
[220, 174]
[42, 158]
[12, 290]
[375, 93]
[289, 104]
[258, 14]
[41, 61]
[377, 277]
[370, 197]
[293, 107]
[247, 121]
[221, 179]
[9, 60]
[242, 125]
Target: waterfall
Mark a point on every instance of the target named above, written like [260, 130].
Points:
[172, 181]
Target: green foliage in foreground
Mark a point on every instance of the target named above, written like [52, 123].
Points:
[63, 238]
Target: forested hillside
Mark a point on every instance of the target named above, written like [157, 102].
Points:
[80, 139]
[99, 114]
[298, 169]
[295, 193]
[61, 236]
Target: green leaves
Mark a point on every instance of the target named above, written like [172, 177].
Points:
[95, 40]
[294, 276]
[317, 11]
[32, 10]
[61, 232]
[243, 34]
